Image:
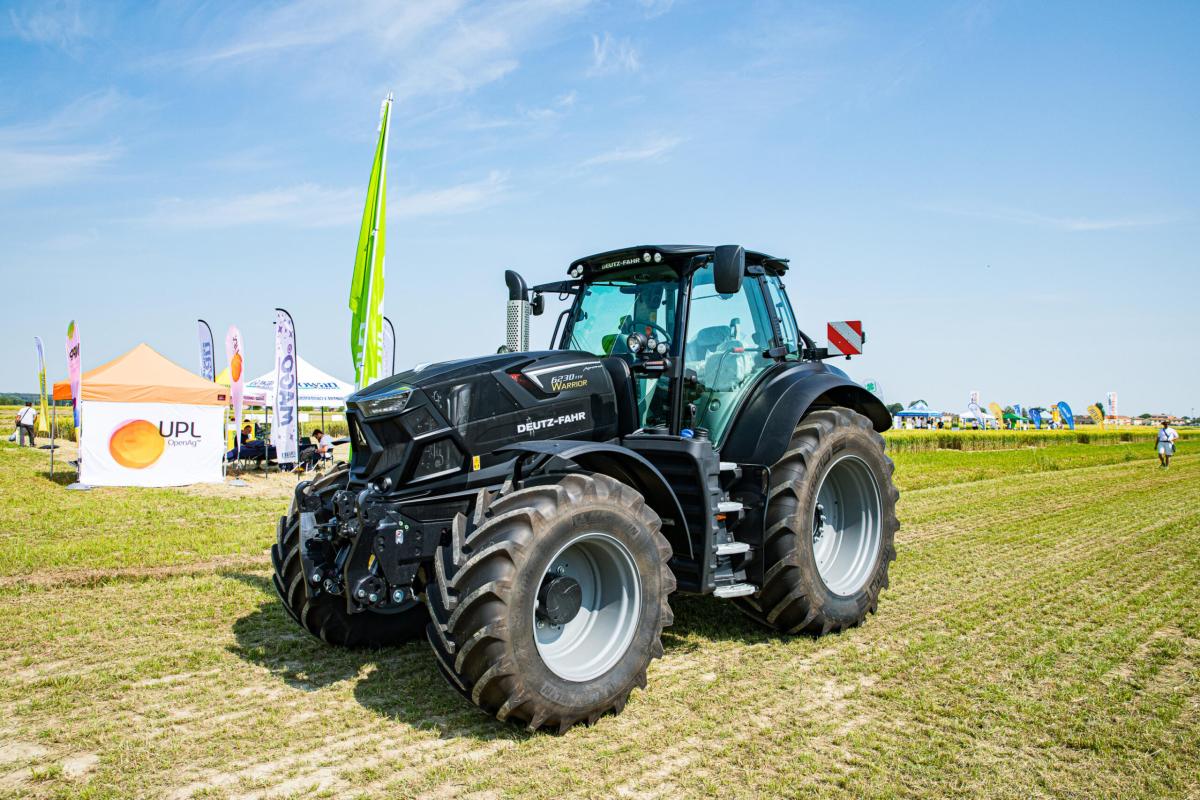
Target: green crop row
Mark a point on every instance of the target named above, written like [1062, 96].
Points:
[920, 440]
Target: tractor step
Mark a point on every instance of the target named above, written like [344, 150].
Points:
[729, 507]
[732, 548]
[735, 590]
[728, 466]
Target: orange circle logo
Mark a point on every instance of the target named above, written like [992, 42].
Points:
[136, 444]
[235, 368]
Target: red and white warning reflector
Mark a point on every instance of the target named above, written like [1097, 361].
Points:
[845, 337]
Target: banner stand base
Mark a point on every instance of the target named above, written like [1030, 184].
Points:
[237, 482]
[78, 487]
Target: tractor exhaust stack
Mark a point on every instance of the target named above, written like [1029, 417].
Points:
[518, 312]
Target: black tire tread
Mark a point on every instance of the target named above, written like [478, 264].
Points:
[782, 603]
[466, 627]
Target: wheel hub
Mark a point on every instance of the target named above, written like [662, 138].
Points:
[587, 609]
[559, 599]
[847, 531]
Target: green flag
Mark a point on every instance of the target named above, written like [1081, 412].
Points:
[366, 287]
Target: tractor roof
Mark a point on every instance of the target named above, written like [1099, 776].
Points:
[677, 256]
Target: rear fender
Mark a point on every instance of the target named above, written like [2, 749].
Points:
[623, 465]
[763, 428]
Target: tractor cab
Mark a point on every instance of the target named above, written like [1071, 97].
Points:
[695, 328]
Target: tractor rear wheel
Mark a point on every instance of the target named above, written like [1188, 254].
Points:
[325, 616]
[549, 606]
[830, 528]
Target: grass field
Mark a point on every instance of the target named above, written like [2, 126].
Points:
[1041, 638]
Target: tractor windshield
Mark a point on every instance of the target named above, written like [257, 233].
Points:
[609, 310]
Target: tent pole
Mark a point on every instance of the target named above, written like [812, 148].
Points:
[53, 429]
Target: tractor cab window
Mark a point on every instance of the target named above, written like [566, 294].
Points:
[727, 335]
[783, 312]
[609, 310]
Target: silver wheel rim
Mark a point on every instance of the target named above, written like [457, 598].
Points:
[595, 639]
[847, 526]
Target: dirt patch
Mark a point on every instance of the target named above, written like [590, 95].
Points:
[78, 765]
[21, 751]
[94, 577]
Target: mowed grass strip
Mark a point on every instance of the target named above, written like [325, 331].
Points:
[1040, 638]
[925, 469]
[45, 528]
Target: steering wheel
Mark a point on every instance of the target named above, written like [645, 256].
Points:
[663, 335]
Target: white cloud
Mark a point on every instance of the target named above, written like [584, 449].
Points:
[303, 205]
[49, 152]
[58, 24]
[460, 199]
[610, 55]
[24, 168]
[418, 49]
[655, 8]
[309, 205]
[1070, 224]
[652, 149]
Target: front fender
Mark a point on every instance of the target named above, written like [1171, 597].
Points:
[763, 428]
[626, 466]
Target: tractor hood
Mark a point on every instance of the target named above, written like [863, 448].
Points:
[441, 420]
[429, 374]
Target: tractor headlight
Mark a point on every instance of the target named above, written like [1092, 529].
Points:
[651, 344]
[576, 271]
[389, 404]
[661, 349]
[635, 342]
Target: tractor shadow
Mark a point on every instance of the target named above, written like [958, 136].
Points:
[700, 619]
[402, 683]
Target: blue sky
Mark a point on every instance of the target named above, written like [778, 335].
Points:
[1006, 193]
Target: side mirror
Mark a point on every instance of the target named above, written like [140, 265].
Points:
[729, 264]
[537, 305]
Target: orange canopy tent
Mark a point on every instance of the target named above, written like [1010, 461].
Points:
[145, 376]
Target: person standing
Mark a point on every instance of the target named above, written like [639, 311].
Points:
[26, 418]
[1166, 444]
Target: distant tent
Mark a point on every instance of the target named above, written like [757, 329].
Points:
[983, 418]
[918, 409]
[317, 389]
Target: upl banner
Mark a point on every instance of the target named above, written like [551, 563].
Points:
[233, 352]
[43, 420]
[286, 433]
[208, 354]
[151, 444]
[74, 369]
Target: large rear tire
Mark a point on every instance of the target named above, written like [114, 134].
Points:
[550, 608]
[325, 616]
[830, 528]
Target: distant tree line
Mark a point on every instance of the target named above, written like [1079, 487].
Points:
[21, 398]
[17, 398]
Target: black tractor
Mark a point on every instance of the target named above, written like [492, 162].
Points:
[533, 512]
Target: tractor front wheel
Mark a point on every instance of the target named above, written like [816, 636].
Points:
[548, 609]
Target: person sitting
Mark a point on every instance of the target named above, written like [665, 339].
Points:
[322, 448]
